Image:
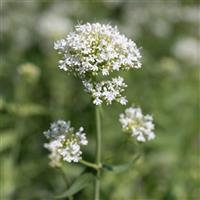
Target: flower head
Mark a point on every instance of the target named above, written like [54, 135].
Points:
[106, 91]
[64, 144]
[137, 125]
[94, 49]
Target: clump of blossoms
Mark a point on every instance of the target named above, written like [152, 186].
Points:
[137, 125]
[65, 144]
[107, 91]
[94, 50]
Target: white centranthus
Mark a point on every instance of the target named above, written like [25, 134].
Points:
[137, 125]
[94, 49]
[65, 144]
[106, 91]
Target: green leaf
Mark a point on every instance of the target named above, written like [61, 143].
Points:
[7, 139]
[77, 185]
[7, 172]
[23, 110]
[121, 167]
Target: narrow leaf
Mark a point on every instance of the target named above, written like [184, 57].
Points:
[76, 186]
[121, 167]
[25, 110]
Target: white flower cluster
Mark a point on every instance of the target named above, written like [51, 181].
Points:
[107, 91]
[97, 50]
[137, 125]
[94, 49]
[64, 144]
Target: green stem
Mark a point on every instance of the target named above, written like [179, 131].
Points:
[98, 153]
[89, 164]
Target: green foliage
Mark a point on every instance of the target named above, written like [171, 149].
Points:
[80, 183]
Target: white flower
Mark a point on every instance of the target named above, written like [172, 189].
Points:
[123, 101]
[58, 128]
[137, 125]
[82, 136]
[96, 48]
[106, 91]
[105, 72]
[60, 44]
[65, 144]
[97, 101]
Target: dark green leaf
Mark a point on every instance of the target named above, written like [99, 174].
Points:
[76, 186]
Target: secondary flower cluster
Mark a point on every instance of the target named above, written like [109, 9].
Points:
[64, 144]
[137, 125]
[107, 91]
[94, 50]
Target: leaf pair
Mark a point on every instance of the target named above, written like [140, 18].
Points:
[81, 182]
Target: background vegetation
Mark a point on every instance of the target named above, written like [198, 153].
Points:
[34, 92]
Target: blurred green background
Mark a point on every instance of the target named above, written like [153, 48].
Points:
[34, 92]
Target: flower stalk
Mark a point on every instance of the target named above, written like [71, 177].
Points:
[98, 153]
[89, 164]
